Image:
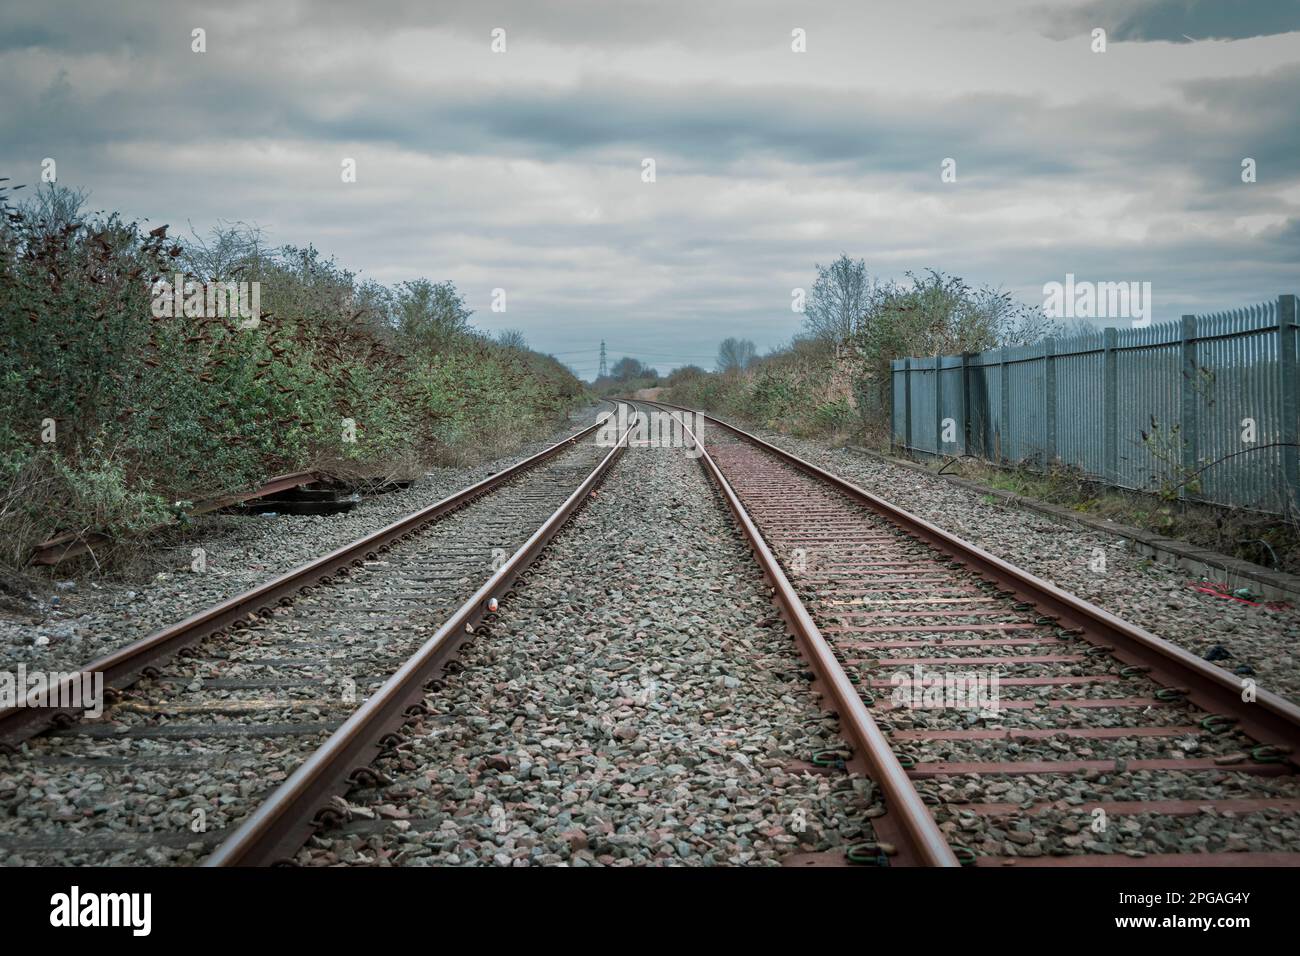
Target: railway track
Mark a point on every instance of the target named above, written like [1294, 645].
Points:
[1054, 733]
[1002, 721]
[253, 716]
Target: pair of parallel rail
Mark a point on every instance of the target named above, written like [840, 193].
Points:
[880, 580]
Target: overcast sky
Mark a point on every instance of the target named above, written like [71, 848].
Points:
[522, 170]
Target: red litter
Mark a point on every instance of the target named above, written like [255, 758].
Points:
[1221, 591]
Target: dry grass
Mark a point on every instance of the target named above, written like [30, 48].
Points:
[1267, 540]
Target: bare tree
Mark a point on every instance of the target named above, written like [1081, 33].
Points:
[53, 207]
[230, 250]
[837, 307]
[512, 339]
[734, 354]
[1020, 324]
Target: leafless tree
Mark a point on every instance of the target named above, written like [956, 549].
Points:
[1020, 324]
[734, 354]
[52, 207]
[512, 339]
[231, 250]
[838, 305]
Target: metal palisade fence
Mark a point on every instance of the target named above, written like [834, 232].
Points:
[1207, 408]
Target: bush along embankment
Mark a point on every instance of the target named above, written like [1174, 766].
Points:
[833, 380]
[802, 390]
[141, 373]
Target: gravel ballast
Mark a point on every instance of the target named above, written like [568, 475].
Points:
[1260, 643]
[81, 620]
[204, 739]
[636, 702]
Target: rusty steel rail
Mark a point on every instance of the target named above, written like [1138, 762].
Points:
[1270, 718]
[1266, 717]
[124, 666]
[915, 833]
[286, 819]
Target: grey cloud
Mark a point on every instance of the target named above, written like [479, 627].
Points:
[81, 25]
[674, 270]
[1176, 21]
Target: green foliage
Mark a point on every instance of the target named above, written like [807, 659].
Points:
[1165, 444]
[626, 376]
[429, 314]
[833, 416]
[794, 390]
[835, 379]
[149, 410]
[101, 496]
[769, 395]
[936, 314]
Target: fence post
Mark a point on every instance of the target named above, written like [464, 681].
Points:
[938, 410]
[1049, 386]
[1189, 427]
[907, 404]
[893, 404]
[1290, 400]
[965, 403]
[1004, 433]
[1110, 404]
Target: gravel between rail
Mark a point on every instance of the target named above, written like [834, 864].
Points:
[637, 702]
[83, 620]
[1153, 596]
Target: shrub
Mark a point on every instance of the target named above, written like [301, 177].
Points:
[149, 410]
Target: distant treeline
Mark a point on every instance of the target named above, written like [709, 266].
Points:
[833, 377]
